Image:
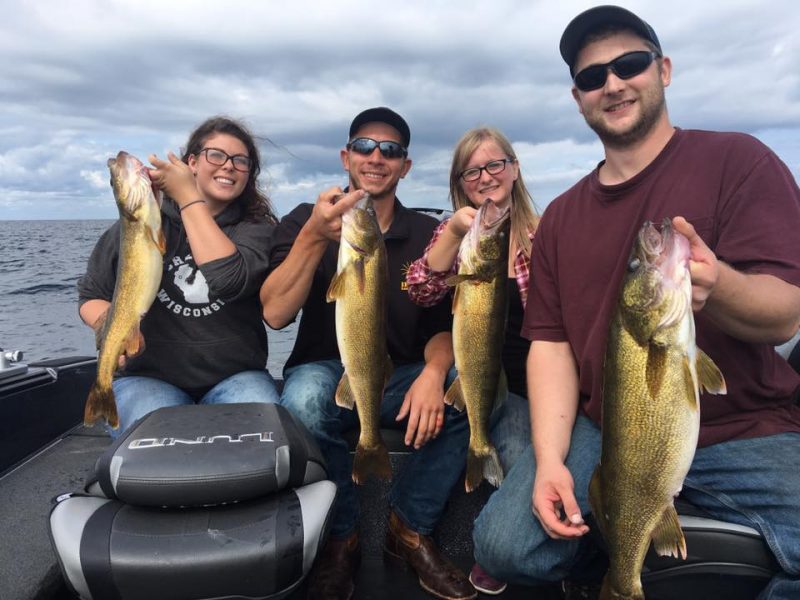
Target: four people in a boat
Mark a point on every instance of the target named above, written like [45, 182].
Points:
[728, 194]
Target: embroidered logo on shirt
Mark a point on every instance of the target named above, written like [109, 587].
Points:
[404, 270]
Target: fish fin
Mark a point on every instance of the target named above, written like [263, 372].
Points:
[483, 465]
[101, 405]
[371, 461]
[344, 395]
[158, 239]
[709, 375]
[336, 288]
[656, 368]
[690, 393]
[668, 537]
[133, 345]
[596, 502]
[100, 329]
[358, 267]
[454, 397]
[454, 280]
[456, 296]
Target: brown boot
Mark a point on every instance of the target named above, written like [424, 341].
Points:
[437, 575]
[334, 572]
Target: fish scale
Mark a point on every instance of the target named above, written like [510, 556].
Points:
[480, 309]
[139, 272]
[651, 411]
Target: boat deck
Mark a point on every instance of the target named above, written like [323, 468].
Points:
[29, 570]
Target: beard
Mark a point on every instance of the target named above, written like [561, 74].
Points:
[652, 106]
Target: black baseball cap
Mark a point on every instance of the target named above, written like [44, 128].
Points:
[586, 22]
[381, 114]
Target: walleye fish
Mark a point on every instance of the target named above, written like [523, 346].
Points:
[141, 250]
[480, 309]
[653, 375]
[359, 289]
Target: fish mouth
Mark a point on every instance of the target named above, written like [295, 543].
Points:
[492, 216]
[124, 165]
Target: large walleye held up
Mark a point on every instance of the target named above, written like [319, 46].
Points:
[359, 289]
[480, 308]
[653, 375]
[141, 250]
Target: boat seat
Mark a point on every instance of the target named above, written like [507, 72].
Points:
[198, 502]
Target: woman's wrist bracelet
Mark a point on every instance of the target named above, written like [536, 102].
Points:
[188, 204]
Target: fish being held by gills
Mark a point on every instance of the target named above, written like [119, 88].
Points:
[653, 376]
[480, 310]
[141, 251]
[359, 288]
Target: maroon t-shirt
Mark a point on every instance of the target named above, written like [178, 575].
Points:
[743, 202]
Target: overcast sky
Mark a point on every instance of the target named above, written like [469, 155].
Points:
[80, 80]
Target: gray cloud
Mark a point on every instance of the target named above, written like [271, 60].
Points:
[81, 80]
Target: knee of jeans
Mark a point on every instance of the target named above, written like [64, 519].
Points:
[314, 406]
[522, 556]
[493, 550]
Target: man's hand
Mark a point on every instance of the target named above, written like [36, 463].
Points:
[554, 503]
[703, 265]
[424, 406]
[325, 221]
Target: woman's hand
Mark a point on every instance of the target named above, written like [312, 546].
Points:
[461, 221]
[174, 177]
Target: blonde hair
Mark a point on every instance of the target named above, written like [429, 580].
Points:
[524, 217]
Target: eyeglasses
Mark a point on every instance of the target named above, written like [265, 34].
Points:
[492, 168]
[218, 157]
[366, 146]
[626, 66]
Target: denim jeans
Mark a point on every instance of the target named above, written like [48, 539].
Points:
[136, 396]
[511, 430]
[753, 482]
[420, 491]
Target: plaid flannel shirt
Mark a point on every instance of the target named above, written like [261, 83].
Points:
[427, 287]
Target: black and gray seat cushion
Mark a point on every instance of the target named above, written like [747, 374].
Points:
[198, 502]
[261, 548]
[201, 455]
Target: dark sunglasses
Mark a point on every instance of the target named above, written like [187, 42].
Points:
[626, 66]
[366, 146]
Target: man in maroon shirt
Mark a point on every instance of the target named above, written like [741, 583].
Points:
[739, 206]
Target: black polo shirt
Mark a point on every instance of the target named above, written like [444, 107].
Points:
[409, 327]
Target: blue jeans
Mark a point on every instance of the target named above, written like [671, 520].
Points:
[754, 482]
[136, 396]
[419, 493]
[511, 430]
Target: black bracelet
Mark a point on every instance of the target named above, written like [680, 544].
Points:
[185, 206]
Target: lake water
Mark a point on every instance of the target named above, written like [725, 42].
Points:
[40, 264]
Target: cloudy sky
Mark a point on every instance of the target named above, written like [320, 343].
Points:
[80, 80]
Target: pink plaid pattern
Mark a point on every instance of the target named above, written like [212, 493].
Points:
[427, 287]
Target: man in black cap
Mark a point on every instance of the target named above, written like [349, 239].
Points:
[303, 262]
[739, 207]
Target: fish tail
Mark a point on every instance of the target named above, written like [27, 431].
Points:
[483, 464]
[607, 592]
[372, 460]
[101, 404]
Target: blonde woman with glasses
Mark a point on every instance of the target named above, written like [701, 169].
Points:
[485, 169]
